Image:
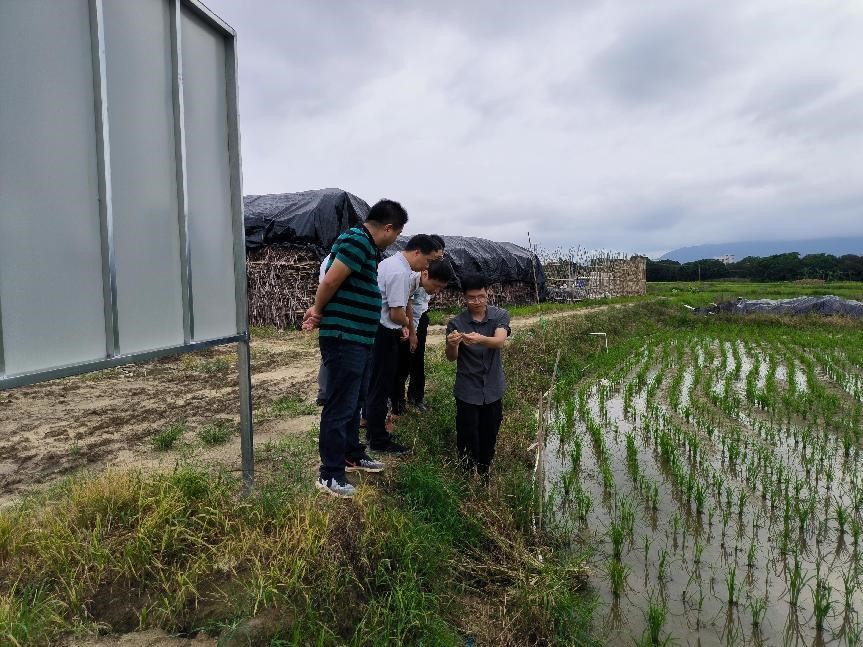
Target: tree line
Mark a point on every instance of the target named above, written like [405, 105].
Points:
[779, 267]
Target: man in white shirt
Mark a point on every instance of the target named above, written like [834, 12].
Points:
[394, 281]
[412, 353]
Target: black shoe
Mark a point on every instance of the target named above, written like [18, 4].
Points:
[363, 463]
[420, 406]
[390, 447]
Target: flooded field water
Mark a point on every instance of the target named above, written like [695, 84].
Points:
[718, 481]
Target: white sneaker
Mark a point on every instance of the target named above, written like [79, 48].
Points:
[334, 487]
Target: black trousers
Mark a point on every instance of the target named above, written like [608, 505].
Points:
[476, 427]
[411, 365]
[383, 368]
[340, 418]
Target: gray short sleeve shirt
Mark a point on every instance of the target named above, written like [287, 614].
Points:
[479, 371]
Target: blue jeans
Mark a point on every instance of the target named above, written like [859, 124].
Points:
[347, 366]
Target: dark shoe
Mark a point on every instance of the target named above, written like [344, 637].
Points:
[420, 406]
[363, 464]
[390, 447]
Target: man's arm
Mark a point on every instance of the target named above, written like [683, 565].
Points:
[498, 340]
[328, 286]
[412, 338]
[399, 316]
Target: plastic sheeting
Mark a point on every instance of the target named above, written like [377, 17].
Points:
[316, 218]
[498, 262]
[313, 218]
[826, 305]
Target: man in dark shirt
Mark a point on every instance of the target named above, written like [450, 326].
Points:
[474, 339]
[347, 309]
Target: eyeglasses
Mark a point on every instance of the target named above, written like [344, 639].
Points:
[478, 299]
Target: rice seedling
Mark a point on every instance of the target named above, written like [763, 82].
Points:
[841, 516]
[796, 581]
[849, 587]
[616, 535]
[575, 454]
[731, 585]
[697, 552]
[757, 609]
[655, 617]
[752, 553]
[582, 503]
[662, 566]
[618, 573]
[821, 601]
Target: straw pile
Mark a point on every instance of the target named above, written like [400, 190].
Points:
[500, 294]
[282, 283]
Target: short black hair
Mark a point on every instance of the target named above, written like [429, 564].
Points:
[388, 212]
[423, 243]
[440, 271]
[438, 240]
[473, 281]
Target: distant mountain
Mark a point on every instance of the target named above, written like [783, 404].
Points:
[835, 246]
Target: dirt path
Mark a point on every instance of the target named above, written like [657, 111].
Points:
[108, 419]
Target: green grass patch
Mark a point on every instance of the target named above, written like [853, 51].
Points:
[292, 406]
[165, 439]
[217, 433]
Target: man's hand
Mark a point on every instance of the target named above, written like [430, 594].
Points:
[472, 338]
[405, 333]
[413, 341]
[454, 338]
[311, 319]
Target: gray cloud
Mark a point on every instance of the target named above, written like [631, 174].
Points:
[665, 55]
[607, 124]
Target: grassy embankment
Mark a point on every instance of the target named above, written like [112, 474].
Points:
[424, 555]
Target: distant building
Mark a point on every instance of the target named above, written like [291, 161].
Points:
[727, 258]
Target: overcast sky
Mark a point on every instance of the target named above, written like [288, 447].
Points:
[635, 126]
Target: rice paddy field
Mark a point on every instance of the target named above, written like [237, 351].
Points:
[715, 469]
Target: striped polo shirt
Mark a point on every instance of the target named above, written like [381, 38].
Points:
[355, 309]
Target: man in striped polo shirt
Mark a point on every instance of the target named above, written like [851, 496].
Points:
[347, 310]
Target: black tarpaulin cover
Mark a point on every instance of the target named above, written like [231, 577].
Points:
[317, 218]
[310, 217]
[499, 262]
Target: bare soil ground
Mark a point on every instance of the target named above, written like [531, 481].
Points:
[108, 419]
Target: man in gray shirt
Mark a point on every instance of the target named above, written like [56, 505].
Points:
[474, 339]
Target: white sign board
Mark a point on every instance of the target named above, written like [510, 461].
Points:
[121, 233]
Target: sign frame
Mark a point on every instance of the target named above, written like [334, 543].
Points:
[113, 357]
